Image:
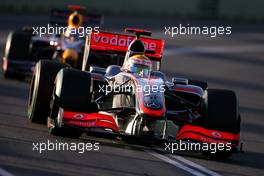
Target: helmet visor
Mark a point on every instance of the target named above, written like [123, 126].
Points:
[140, 70]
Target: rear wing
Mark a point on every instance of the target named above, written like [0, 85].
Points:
[59, 17]
[114, 43]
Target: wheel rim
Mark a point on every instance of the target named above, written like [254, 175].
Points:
[30, 99]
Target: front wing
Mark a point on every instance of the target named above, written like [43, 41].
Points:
[187, 132]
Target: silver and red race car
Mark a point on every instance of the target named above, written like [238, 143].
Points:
[121, 90]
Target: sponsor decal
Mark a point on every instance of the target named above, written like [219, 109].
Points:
[120, 40]
[78, 116]
[205, 139]
[82, 124]
[216, 134]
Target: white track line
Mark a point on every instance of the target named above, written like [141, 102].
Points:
[5, 173]
[194, 165]
[175, 163]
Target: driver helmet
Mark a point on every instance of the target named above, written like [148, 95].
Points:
[138, 65]
[136, 47]
[75, 20]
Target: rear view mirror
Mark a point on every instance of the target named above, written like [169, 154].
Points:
[182, 81]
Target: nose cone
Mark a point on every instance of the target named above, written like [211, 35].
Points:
[151, 97]
[153, 104]
[153, 101]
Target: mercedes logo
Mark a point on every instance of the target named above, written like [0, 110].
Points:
[153, 105]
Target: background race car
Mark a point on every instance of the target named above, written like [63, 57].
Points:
[24, 47]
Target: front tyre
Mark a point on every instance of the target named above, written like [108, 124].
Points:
[72, 92]
[222, 115]
[222, 111]
[41, 90]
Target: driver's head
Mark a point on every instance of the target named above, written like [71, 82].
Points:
[75, 20]
[136, 47]
[139, 65]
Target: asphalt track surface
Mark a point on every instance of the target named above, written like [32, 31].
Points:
[233, 62]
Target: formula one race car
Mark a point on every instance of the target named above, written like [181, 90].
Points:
[120, 90]
[26, 46]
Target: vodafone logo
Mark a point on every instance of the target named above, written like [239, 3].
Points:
[120, 40]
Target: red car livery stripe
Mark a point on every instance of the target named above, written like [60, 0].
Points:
[90, 120]
[191, 132]
[105, 41]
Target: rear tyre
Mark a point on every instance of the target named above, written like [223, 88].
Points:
[222, 115]
[71, 93]
[17, 48]
[42, 84]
